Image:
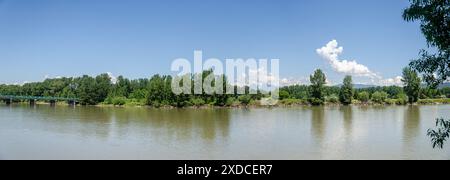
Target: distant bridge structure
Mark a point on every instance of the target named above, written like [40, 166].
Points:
[32, 99]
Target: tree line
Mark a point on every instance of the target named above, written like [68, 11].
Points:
[318, 93]
[157, 91]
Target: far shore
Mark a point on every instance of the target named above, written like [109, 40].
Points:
[255, 105]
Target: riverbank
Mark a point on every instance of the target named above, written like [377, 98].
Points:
[257, 104]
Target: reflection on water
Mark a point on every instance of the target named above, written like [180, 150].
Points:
[318, 122]
[348, 118]
[411, 123]
[346, 132]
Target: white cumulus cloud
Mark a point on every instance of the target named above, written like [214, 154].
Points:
[294, 81]
[396, 81]
[112, 77]
[331, 52]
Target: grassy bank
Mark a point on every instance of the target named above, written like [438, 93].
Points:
[283, 103]
[235, 103]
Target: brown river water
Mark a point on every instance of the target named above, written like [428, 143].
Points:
[388, 132]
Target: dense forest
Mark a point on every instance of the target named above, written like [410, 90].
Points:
[157, 92]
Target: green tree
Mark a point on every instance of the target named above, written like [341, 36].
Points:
[92, 91]
[169, 97]
[221, 99]
[86, 90]
[155, 90]
[245, 99]
[379, 97]
[284, 94]
[346, 93]
[364, 96]
[428, 92]
[402, 99]
[316, 89]
[332, 98]
[122, 88]
[119, 101]
[435, 25]
[446, 91]
[412, 84]
[297, 91]
[160, 92]
[139, 94]
[54, 87]
[102, 87]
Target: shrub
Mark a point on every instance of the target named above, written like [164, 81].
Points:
[316, 101]
[434, 101]
[245, 99]
[289, 102]
[232, 102]
[379, 97]
[119, 101]
[136, 102]
[356, 101]
[333, 98]
[197, 102]
[284, 95]
[109, 100]
[446, 101]
[139, 94]
[390, 101]
[156, 104]
[364, 97]
[402, 99]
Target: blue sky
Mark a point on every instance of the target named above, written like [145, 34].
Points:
[141, 38]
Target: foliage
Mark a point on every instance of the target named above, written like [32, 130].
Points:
[412, 84]
[245, 99]
[119, 101]
[346, 93]
[390, 101]
[284, 94]
[445, 91]
[92, 91]
[157, 92]
[364, 96]
[160, 92]
[289, 102]
[392, 91]
[316, 89]
[139, 94]
[297, 91]
[441, 134]
[429, 92]
[379, 97]
[434, 101]
[197, 102]
[231, 102]
[435, 25]
[402, 99]
[332, 98]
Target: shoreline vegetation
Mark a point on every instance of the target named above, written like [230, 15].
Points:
[287, 103]
[156, 92]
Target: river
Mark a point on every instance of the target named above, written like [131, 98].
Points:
[354, 132]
